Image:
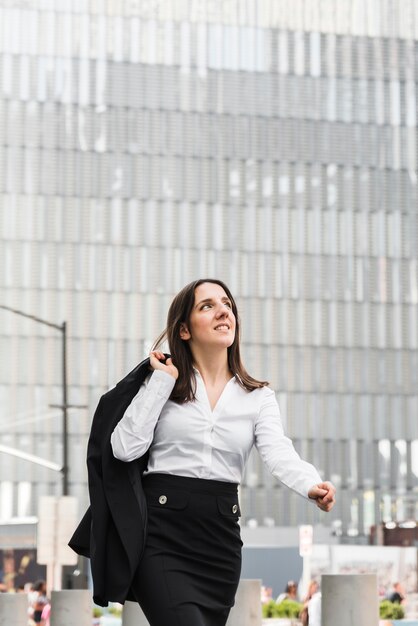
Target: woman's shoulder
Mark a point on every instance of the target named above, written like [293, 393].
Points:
[260, 394]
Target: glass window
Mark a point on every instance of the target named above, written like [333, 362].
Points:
[119, 26]
[282, 52]
[24, 78]
[346, 230]
[6, 500]
[395, 104]
[315, 334]
[315, 54]
[414, 457]
[47, 32]
[215, 40]
[14, 130]
[394, 234]
[410, 104]
[299, 52]
[201, 48]
[185, 47]
[7, 75]
[12, 30]
[231, 51]
[396, 325]
[412, 327]
[332, 324]
[396, 280]
[399, 452]
[134, 25]
[149, 52]
[361, 101]
[101, 35]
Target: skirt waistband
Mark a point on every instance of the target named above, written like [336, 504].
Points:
[198, 485]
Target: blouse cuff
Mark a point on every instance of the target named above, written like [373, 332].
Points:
[161, 383]
[308, 486]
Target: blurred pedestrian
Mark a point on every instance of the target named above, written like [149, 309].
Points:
[304, 614]
[397, 594]
[192, 423]
[314, 609]
[290, 592]
[46, 614]
[266, 594]
[39, 600]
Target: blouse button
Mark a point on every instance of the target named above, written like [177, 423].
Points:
[162, 499]
[235, 509]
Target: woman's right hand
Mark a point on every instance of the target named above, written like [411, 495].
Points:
[168, 367]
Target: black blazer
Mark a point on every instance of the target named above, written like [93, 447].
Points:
[112, 531]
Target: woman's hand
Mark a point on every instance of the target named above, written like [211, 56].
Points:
[324, 494]
[156, 357]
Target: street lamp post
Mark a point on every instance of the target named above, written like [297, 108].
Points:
[64, 406]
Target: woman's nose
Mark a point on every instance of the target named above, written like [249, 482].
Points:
[222, 311]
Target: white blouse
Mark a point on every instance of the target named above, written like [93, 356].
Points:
[192, 440]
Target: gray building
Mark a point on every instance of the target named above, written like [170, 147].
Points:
[268, 143]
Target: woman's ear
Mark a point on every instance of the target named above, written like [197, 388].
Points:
[184, 332]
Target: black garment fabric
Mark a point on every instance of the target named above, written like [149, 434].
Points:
[395, 597]
[190, 569]
[112, 531]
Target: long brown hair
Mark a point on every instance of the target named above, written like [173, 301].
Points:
[179, 313]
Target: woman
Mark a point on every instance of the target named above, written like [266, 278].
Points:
[39, 600]
[313, 588]
[290, 592]
[199, 414]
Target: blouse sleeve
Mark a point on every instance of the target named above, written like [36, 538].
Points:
[277, 450]
[134, 432]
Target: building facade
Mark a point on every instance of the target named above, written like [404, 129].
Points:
[270, 144]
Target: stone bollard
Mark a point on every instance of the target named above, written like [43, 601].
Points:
[70, 607]
[132, 615]
[247, 608]
[13, 609]
[350, 599]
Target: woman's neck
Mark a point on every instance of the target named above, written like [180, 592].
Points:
[213, 368]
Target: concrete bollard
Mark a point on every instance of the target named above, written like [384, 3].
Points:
[70, 607]
[349, 599]
[132, 615]
[247, 608]
[13, 609]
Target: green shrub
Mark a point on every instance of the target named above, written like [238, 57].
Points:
[115, 610]
[286, 608]
[269, 609]
[391, 610]
[97, 611]
[398, 612]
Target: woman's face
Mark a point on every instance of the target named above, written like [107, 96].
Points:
[314, 587]
[292, 590]
[212, 322]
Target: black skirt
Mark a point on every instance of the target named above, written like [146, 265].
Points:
[191, 565]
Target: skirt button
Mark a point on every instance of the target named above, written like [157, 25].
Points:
[162, 499]
[235, 509]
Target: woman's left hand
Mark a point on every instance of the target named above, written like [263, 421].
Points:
[324, 494]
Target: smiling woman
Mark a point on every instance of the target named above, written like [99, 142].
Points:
[194, 420]
[199, 311]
